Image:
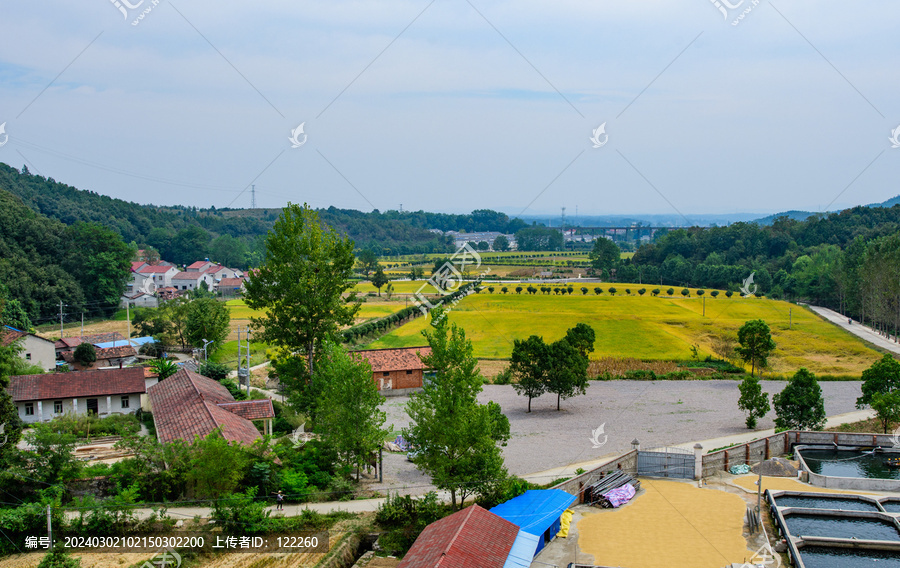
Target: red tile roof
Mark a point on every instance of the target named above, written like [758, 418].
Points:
[155, 269]
[214, 268]
[405, 359]
[136, 266]
[68, 342]
[120, 352]
[185, 405]
[471, 538]
[77, 384]
[197, 265]
[9, 335]
[250, 409]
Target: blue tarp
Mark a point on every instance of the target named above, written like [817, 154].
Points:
[522, 552]
[536, 512]
[134, 342]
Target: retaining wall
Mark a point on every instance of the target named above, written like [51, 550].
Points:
[575, 486]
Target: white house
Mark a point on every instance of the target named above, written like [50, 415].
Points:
[191, 279]
[161, 274]
[140, 283]
[36, 350]
[199, 266]
[139, 300]
[40, 398]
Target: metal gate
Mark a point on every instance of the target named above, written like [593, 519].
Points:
[666, 462]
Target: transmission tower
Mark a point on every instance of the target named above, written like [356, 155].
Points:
[253, 196]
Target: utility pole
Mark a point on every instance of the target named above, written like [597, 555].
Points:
[127, 317]
[82, 324]
[49, 527]
[248, 361]
[60, 320]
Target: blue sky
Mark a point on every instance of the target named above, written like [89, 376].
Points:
[455, 105]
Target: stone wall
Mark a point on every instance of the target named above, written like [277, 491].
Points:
[626, 462]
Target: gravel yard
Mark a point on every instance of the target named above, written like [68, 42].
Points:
[657, 413]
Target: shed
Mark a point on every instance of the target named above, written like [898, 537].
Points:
[537, 512]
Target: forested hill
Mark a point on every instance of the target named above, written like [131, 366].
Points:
[233, 237]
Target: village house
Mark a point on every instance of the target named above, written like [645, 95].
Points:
[35, 350]
[40, 398]
[191, 279]
[187, 405]
[140, 282]
[70, 343]
[230, 286]
[138, 300]
[162, 274]
[107, 357]
[396, 372]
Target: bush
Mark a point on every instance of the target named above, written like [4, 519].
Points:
[59, 558]
[340, 489]
[405, 517]
[640, 376]
[214, 371]
[240, 513]
[670, 291]
[83, 424]
[504, 377]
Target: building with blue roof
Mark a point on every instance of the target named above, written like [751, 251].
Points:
[536, 512]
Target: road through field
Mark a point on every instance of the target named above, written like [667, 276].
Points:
[862, 331]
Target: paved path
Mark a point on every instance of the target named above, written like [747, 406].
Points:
[862, 331]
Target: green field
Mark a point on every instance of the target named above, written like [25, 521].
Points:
[367, 310]
[645, 327]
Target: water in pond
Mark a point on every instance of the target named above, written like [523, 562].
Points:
[892, 506]
[849, 463]
[841, 527]
[825, 503]
[821, 557]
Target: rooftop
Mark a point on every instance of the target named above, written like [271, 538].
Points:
[400, 359]
[77, 384]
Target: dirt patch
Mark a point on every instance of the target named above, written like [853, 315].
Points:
[490, 368]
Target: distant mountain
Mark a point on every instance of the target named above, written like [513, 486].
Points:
[804, 215]
[674, 220]
[889, 203]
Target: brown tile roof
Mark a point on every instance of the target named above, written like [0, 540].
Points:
[192, 275]
[471, 538]
[77, 384]
[9, 335]
[67, 342]
[155, 269]
[103, 337]
[250, 409]
[116, 352]
[405, 359]
[231, 282]
[185, 405]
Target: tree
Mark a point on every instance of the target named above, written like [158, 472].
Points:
[227, 250]
[567, 374]
[455, 438]
[188, 245]
[50, 455]
[416, 273]
[753, 400]
[85, 354]
[501, 243]
[484, 245]
[9, 414]
[164, 368]
[582, 338]
[379, 279]
[642, 291]
[714, 293]
[729, 294]
[207, 320]
[685, 292]
[150, 322]
[529, 363]
[300, 286]
[349, 417]
[368, 261]
[604, 255]
[518, 289]
[800, 404]
[100, 262]
[670, 291]
[756, 344]
[887, 408]
[539, 238]
[882, 377]
[612, 291]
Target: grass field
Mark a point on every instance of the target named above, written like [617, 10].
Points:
[645, 327]
[368, 310]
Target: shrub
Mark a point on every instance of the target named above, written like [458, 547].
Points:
[612, 291]
[655, 292]
[729, 293]
[670, 291]
[714, 293]
[240, 513]
[640, 375]
[642, 291]
[504, 377]
[340, 489]
[685, 292]
[214, 371]
[598, 291]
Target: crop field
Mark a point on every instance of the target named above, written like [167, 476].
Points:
[644, 327]
[241, 314]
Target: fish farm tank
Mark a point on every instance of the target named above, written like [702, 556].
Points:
[827, 557]
[822, 502]
[868, 464]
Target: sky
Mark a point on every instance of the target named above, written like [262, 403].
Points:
[610, 107]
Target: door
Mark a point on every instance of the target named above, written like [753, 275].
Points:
[92, 406]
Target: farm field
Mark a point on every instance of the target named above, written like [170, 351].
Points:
[645, 327]
[372, 308]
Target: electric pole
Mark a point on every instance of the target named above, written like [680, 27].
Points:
[60, 320]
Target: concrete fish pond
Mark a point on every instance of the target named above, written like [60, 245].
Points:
[836, 529]
[850, 467]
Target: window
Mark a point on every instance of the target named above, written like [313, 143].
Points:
[409, 372]
[57, 407]
[29, 409]
[28, 356]
[385, 374]
[125, 402]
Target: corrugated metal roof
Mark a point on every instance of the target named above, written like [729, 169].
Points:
[521, 554]
[536, 510]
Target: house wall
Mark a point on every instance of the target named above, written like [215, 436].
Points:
[44, 410]
[398, 380]
[39, 352]
[144, 301]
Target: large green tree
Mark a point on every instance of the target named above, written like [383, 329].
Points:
[882, 377]
[379, 279]
[528, 364]
[605, 254]
[800, 404]
[368, 260]
[887, 408]
[753, 400]
[9, 415]
[456, 439]
[300, 287]
[756, 344]
[207, 320]
[229, 251]
[567, 374]
[101, 262]
[501, 243]
[350, 417]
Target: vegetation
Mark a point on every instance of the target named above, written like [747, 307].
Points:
[800, 405]
[560, 367]
[455, 439]
[349, 413]
[300, 287]
[887, 408]
[206, 320]
[753, 400]
[85, 354]
[756, 343]
[881, 378]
